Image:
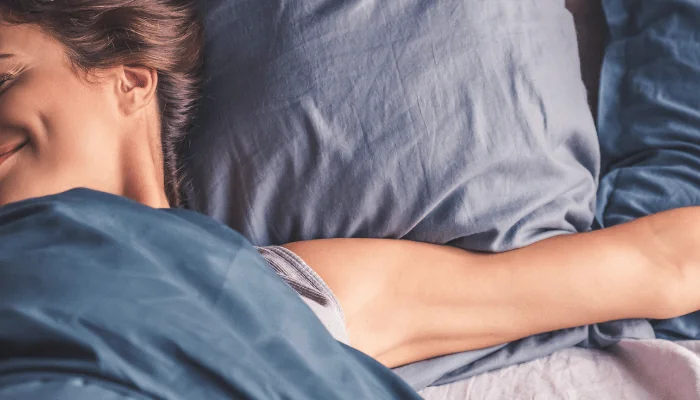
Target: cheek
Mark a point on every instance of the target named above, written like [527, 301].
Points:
[74, 110]
[68, 161]
[18, 114]
[54, 108]
[74, 143]
[80, 140]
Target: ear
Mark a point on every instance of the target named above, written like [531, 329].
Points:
[136, 88]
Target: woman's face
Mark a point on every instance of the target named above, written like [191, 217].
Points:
[59, 129]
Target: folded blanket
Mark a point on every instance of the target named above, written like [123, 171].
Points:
[101, 297]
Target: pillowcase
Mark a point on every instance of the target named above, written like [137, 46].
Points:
[462, 122]
[649, 119]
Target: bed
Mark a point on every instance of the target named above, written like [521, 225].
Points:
[275, 142]
[483, 124]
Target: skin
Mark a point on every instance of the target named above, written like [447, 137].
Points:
[100, 131]
[419, 301]
[403, 301]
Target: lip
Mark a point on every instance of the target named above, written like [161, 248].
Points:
[9, 151]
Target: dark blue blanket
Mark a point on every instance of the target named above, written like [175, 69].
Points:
[649, 120]
[103, 298]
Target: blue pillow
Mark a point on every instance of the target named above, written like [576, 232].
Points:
[462, 122]
[649, 117]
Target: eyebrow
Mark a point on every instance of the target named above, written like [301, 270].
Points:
[6, 55]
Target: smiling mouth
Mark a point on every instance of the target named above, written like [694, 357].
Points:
[7, 154]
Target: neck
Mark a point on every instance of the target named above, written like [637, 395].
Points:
[145, 194]
[142, 161]
[144, 182]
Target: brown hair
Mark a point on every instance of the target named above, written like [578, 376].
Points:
[165, 35]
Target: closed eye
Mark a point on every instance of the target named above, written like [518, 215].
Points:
[4, 78]
[16, 149]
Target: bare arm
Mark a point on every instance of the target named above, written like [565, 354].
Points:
[406, 301]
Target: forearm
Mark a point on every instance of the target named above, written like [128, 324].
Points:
[407, 301]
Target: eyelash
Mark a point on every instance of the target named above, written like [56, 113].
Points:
[4, 78]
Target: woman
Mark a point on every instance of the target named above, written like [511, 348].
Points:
[99, 94]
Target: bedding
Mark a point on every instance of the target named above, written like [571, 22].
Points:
[652, 369]
[463, 122]
[592, 33]
[649, 133]
[102, 297]
[650, 119]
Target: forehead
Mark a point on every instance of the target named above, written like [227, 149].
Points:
[27, 43]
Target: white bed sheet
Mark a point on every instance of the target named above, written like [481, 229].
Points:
[632, 369]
